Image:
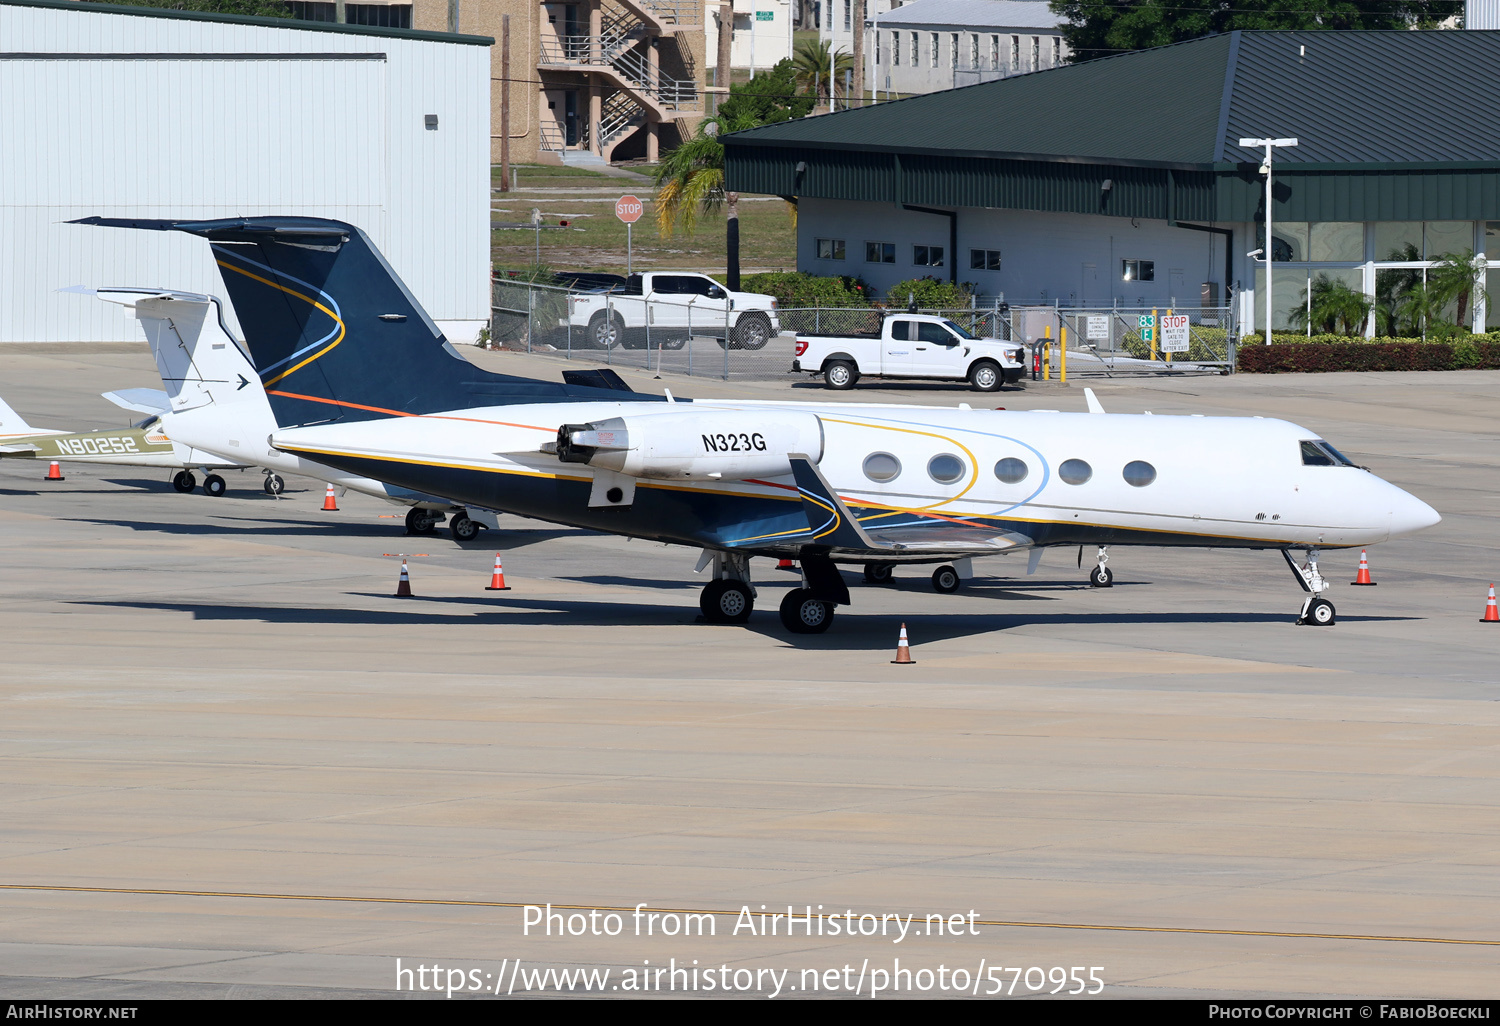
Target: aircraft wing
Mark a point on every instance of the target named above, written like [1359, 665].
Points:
[832, 524]
[141, 400]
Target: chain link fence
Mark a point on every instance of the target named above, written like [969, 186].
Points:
[700, 336]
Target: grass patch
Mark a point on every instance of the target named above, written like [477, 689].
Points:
[767, 240]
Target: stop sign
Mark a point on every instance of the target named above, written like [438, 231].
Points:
[629, 209]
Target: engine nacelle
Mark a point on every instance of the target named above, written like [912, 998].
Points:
[717, 445]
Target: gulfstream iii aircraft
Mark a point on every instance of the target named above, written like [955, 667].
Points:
[359, 377]
[215, 403]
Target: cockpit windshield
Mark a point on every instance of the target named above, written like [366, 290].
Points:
[1318, 453]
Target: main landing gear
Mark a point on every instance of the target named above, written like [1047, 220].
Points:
[730, 597]
[464, 529]
[423, 521]
[1316, 610]
[214, 485]
[184, 481]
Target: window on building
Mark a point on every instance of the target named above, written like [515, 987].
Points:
[915, 60]
[1036, 53]
[896, 49]
[847, 21]
[830, 249]
[1056, 51]
[984, 260]
[936, 50]
[386, 16]
[1137, 270]
[953, 48]
[994, 53]
[880, 252]
[927, 256]
[1015, 53]
[306, 11]
[974, 50]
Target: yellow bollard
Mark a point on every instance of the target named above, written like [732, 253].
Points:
[1155, 330]
[1168, 355]
[1047, 354]
[1063, 354]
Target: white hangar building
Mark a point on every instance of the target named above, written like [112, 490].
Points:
[152, 113]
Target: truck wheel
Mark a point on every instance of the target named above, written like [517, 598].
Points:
[752, 331]
[985, 376]
[840, 374]
[605, 332]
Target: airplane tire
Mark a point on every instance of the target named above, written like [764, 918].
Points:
[1101, 577]
[726, 602]
[214, 485]
[275, 484]
[184, 481]
[420, 521]
[879, 573]
[1320, 613]
[801, 613]
[464, 529]
[945, 580]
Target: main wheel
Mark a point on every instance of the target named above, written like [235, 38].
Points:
[1101, 577]
[184, 481]
[945, 579]
[420, 521]
[274, 484]
[985, 376]
[840, 374]
[214, 485]
[606, 332]
[464, 529]
[752, 331]
[801, 613]
[726, 602]
[879, 573]
[1320, 613]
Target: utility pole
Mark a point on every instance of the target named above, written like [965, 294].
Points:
[859, 54]
[453, 18]
[504, 103]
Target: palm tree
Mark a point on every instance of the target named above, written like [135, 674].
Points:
[690, 182]
[1335, 308]
[820, 71]
[1453, 282]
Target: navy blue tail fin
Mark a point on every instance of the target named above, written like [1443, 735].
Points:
[334, 332]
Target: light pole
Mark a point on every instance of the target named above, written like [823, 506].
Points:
[1265, 169]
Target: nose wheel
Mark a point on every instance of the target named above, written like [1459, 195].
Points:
[1316, 610]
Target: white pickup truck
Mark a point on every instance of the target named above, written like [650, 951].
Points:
[673, 305]
[911, 346]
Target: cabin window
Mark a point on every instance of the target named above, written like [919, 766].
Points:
[882, 466]
[1011, 470]
[1139, 473]
[1075, 472]
[945, 469]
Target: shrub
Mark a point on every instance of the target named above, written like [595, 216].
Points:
[930, 294]
[1378, 355]
[1203, 344]
[796, 289]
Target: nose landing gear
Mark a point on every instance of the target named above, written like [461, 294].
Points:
[1316, 610]
[1100, 576]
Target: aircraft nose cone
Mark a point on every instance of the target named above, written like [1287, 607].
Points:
[1410, 514]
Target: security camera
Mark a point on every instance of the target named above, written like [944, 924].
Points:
[1255, 253]
[1265, 167]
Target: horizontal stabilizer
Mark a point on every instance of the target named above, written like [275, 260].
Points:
[12, 422]
[141, 400]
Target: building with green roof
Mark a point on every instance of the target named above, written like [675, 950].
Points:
[1121, 182]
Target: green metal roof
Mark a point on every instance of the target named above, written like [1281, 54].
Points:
[1392, 126]
[246, 19]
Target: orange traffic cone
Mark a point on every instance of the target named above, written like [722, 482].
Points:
[403, 586]
[497, 579]
[329, 502]
[1491, 614]
[54, 472]
[903, 651]
[786, 564]
[1363, 577]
